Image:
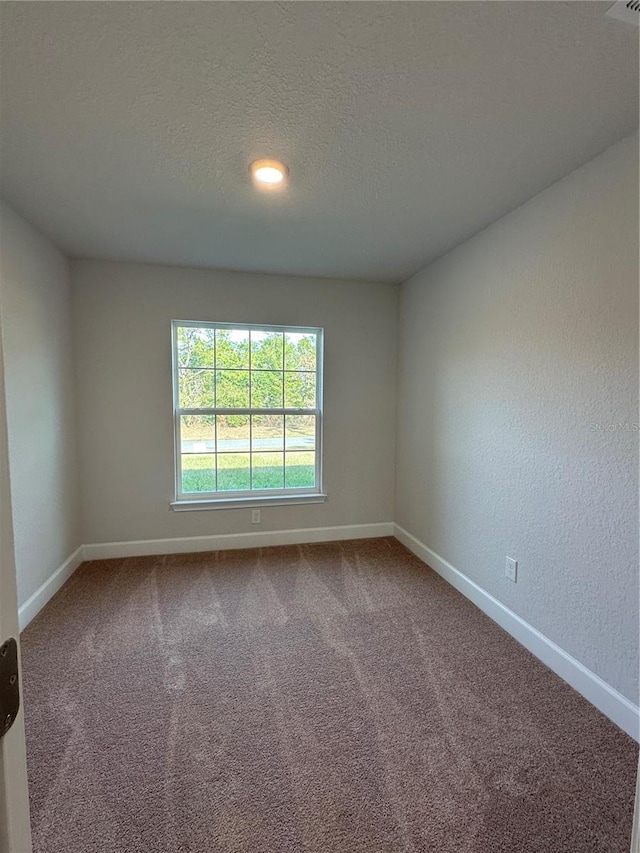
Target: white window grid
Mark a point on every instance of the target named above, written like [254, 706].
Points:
[226, 495]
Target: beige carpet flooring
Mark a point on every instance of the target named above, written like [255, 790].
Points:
[334, 698]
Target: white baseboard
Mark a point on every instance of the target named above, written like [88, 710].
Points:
[607, 699]
[144, 547]
[34, 604]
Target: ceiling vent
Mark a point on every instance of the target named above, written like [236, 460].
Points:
[627, 11]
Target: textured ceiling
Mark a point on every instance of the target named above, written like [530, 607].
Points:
[127, 128]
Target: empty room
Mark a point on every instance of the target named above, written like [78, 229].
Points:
[319, 427]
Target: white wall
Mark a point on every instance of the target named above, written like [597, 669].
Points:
[39, 379]
[122, 333]
[512, 347]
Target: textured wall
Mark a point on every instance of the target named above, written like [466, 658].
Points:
[39, 380]
[122, 332]
[518, 350]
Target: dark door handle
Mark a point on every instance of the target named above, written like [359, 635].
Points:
[9, 685]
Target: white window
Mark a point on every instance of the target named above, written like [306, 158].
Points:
[247, 414]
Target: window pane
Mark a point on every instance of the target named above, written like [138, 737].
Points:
[236, 369]
[300, 470]
[266, 390]
[232, 348]
[266, 350]
[268, 470]
[299, 351]
[267, 432]
[233, 472]
[301, 432]
[198, 433]
[198, 472]
[233, 433]
[195, 347]
[232, 389]
[300, 390]
[196, 388]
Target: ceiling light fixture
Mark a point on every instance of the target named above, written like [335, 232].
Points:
[269, 173]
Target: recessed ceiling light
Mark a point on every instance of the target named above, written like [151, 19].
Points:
[268, 172]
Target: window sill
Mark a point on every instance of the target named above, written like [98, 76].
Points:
[243, 503]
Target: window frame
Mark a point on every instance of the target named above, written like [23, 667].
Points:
[248, 497]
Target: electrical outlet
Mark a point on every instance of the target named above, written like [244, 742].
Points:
[511, 569]
[255, 516]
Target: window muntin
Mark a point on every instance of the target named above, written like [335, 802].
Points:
[247, 410]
